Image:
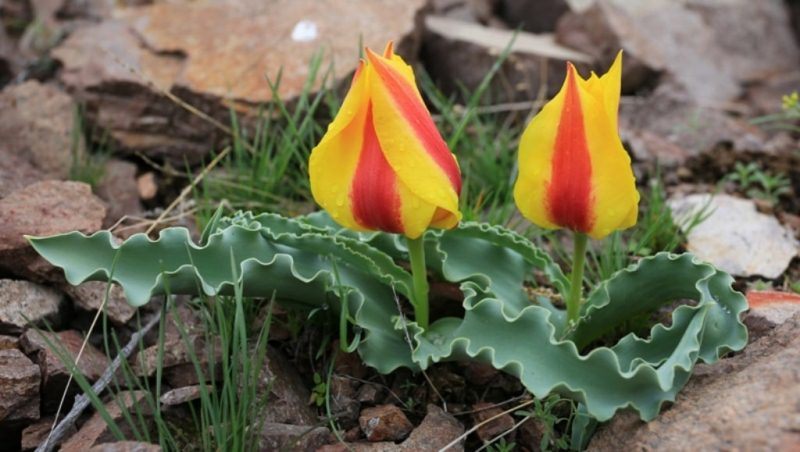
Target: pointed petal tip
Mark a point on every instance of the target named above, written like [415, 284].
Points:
[388, 52]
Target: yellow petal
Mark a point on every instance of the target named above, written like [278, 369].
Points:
[333, 161]
[408, 136]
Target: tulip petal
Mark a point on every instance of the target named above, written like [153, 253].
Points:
[409, 138]
[614, 193]
[569, 193]
[374, 192]
[333, 161]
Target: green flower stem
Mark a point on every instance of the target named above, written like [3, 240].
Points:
[575, 291]
[416, 252]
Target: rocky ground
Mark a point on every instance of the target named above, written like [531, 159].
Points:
[696, 72]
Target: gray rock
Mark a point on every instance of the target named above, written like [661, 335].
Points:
[748, 402]
[22, 302]
[708, 48]
[36, 121]
[735, 237]
[19, 386]
[668, 131]
[90, 295]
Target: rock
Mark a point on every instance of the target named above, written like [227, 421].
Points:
[36, 121]
[435, 431]
[215, 55]
[768, 309]
[22, 302]
[179, 396]
[16, 171]
[90, 295]
[384, 423]
[96, 431]
[668, 131]
[36, 433]
[8, 342]
[275, 436]
[44, 208]
[483, 412]
[748, 402]
[539, 16]
[146, 186]
[369, 394]
[118, 187]
[55, 374]
[126, 446]
[708, 48]
[460, 54]
[19, 387]
[477, 11]
[735, 237]
[176, 361]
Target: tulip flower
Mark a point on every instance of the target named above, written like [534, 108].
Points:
[382, 164]
[573, 171]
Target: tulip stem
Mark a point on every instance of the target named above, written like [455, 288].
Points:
[419, 273]
[576, 287]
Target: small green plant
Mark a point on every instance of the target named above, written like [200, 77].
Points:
[544, 412]
[501, 446]
[787, 119]
[319, 391]
[757, 183]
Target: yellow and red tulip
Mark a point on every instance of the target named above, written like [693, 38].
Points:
[382, 164]
[573, 170]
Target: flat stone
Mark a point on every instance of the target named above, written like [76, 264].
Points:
[36, 121]
[214, 55]
[90, 295]
[55, 374]
[735, 237]
[176, 361]
[458, 55]
[748, 402]
[23, 303]
[384, 423]
[706, 48]
[126, 446]
[96, 431]
[19, 386]
[769, 309]
[179, 396]
[301, 438]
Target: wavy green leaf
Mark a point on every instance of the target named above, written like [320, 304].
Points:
[309, 262]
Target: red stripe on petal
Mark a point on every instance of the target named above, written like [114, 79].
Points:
[373, 193]
[569, 195]
[418, 117]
